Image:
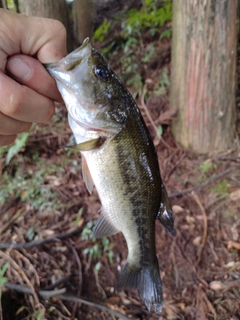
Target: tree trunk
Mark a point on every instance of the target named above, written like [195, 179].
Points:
[48, 9]
[83, 16]
[3, 4]
[203, 73]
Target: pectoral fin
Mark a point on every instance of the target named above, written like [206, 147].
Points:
[104, 227]
[87, 175]
[88, 145]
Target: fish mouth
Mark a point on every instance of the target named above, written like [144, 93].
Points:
[59, 70]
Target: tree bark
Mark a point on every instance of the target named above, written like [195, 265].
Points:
[48, 9]
[83, 16]
[3, 4]
[203, 73]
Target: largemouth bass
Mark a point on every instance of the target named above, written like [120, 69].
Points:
[119, 158]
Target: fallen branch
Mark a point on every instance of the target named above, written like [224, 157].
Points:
[28, 245]
[45, 294]
[211, 180]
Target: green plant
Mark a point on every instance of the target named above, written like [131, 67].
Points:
[96, 248]
[79, 217]
[3, 280]
[206, 166]
[102, 31]
[161, 87]
[14, 149]
[153, 15]
[149, 16]
[221, 187]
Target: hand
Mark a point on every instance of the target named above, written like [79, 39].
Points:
[27, 91]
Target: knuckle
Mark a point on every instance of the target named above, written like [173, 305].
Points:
[11, 104]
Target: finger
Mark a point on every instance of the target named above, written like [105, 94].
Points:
[6, 140]
[43, 37]
[30, 72]
[22, 103]
[11, 126]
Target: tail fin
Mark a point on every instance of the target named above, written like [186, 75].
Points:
[147, 281]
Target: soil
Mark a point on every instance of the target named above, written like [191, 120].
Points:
[200, 265]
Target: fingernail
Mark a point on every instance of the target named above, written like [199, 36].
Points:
[19, 69]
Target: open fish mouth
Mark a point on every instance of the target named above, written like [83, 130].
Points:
[59, 70]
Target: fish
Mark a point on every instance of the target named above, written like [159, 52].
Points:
[120, 160]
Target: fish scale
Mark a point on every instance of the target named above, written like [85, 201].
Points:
[119, 158]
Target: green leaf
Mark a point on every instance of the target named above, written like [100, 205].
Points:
[159, 131]
[97, 266]
[4, 269]
[110, 256]
[166, 34]
[3, 280]
[19, 143]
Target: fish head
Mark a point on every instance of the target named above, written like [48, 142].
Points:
[90, 89]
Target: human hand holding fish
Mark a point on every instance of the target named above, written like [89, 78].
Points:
[119, 158]
[27, 91]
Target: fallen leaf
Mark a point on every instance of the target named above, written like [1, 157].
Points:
[197, 241]
[235, 195]
[177, 209]
[216, 285]
[233, 245]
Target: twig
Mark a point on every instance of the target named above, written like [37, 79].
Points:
[234, 159]
[79, 290]
[205, 226]
[211, 180]
[13, 218]
[28, 245]
[57, 283]
[95, 305]
[144, 91]
[58, 293]
[45, 294]
[22, 273]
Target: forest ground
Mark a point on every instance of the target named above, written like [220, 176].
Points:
[49, 213]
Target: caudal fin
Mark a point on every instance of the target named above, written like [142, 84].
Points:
[147, 281]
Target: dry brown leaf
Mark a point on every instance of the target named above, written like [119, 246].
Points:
[190, 219]
[177, 209]
[197, 241]
[233, 245]
[235, 195]
[216, 285]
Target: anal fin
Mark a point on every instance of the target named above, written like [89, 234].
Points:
[104, 227]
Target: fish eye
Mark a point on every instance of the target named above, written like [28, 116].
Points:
[102, 73]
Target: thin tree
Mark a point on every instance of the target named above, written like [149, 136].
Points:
[83, 16]
[203, 73]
